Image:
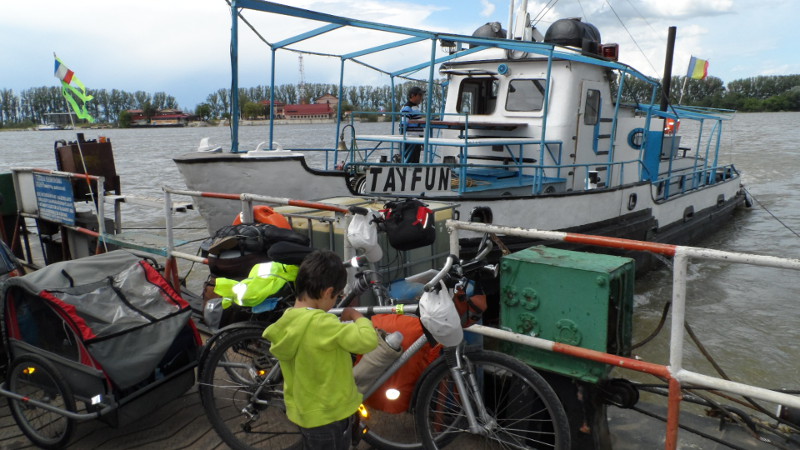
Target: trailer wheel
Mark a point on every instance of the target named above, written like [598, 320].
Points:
[37, 379]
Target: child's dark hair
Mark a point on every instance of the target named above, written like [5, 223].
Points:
[320, 270]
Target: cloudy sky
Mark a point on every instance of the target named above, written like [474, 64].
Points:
[181, 47]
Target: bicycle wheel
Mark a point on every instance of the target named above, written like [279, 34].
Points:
[37, 379]
[245, 409]
[521, 410]
[389, 431]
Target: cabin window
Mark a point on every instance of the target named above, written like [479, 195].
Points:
[591, 113]
[525, 95]
[477, 96]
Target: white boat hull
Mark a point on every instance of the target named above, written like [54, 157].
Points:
[628, 211]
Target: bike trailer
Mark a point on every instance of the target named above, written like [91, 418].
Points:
[112, 328]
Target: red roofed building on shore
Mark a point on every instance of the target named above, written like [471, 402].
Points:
[162, 118]
[280, 107]
[315, 111]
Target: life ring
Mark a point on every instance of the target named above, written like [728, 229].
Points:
[265, 214]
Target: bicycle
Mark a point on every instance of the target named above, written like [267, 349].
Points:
[474, 392]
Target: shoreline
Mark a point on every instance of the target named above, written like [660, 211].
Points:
[222, 123]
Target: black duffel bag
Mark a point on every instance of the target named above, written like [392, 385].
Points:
[409, 224]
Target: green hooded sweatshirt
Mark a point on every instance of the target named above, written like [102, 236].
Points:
[314, 349]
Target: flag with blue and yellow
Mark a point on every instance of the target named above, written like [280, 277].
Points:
[698, 69]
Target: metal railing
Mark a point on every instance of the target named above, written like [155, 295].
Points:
[674, 372]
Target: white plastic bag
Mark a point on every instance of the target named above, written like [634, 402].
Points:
[363, 234]
[439, 316]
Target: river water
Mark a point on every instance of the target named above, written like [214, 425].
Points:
[745, 316]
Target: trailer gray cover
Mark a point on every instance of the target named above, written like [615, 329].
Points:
[120, 307]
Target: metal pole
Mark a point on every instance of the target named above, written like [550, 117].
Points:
[234, 77]
[338, 119]
[680, 262]
[168, 221]
[427, 154]
[667, 81]
[510, 30]
[101, 212]
[272, 102]
[673, 414]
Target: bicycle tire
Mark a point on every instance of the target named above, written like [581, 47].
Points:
[523, 410]
[229, 377]
[387, 431]
[36, 378]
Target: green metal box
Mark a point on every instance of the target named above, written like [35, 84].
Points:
[576, 298]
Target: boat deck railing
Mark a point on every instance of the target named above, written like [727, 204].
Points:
[675, 373]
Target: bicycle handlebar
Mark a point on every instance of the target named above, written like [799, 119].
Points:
[358, 210]
[463, 266]
[411, 308]
[451, 259]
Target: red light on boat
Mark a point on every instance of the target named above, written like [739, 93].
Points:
[610, 51]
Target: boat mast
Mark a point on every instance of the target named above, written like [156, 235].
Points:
[667, 81]
[510, 29]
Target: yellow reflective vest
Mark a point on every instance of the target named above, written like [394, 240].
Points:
[263, 281]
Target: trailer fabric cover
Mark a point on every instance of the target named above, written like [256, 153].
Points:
[126, 313]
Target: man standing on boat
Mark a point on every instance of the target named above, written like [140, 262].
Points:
[411, 111]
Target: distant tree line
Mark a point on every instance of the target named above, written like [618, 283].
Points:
[354, 98]
[762, 93]
[755, 94]
[32, 105]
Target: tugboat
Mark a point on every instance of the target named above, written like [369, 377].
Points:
[534, 133]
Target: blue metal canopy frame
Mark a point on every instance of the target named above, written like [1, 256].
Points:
[332, 22]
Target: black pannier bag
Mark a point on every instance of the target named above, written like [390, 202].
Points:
[409, 224]
[234, 249]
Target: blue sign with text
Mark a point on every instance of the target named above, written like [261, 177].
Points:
[54, 197]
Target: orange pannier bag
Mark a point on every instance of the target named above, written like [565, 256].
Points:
[405, 379]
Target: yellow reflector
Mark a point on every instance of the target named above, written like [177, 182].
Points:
[362, 410]
[29, 370]
[262, 372]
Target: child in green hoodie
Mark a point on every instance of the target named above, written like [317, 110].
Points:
[314, 349]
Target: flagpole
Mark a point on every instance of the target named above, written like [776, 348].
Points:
[683, 89]
[100, 220]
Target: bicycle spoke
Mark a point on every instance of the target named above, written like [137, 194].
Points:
[244, 408]
[520, 411]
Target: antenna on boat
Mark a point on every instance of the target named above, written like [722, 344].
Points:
[522, 28]
[302, 87]
[510, 28]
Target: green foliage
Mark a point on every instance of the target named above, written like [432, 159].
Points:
[124, 119]
[253, 110]
[203, 111]
[761, 93]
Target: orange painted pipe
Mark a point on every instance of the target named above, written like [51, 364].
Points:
[673, 414]
[619, 361]
[219, 195]
[628, 244]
